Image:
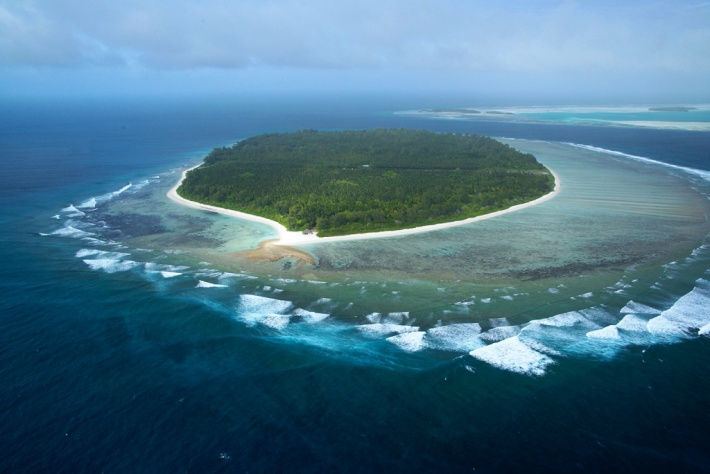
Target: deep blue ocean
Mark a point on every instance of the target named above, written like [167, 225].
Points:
[101, 372]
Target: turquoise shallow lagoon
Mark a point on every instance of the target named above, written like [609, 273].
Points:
[138, 337]
[688, 118]
[612, 116]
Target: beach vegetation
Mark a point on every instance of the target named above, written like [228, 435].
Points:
[349, 182]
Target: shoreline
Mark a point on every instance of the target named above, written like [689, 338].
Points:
[288, 238]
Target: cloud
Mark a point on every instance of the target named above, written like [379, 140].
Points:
[26, 35]
[436, 35]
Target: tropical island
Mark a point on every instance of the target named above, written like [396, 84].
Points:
[672, 109]
[354, 182]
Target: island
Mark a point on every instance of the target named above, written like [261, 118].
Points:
[675, 108]
[453, 111]
[355, 182]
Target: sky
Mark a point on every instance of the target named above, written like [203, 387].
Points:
[519, 51]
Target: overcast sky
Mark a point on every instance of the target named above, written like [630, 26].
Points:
[600, 51]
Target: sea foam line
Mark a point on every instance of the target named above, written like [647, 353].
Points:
[94, 201]
[701, 173]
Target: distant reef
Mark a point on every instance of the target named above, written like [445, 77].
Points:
[672, 109]
[350, 182]
[454, 111]
[465, 112]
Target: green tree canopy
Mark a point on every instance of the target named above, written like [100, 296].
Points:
[364, 181]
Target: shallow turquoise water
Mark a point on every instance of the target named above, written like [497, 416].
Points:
[613, 117]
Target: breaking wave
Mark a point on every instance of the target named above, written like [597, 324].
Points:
[206, 284]
[701, 173]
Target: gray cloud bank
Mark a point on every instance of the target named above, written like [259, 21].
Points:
[438, 35]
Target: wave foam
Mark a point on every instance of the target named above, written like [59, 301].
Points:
[638, 308]
[263, 305]
[92, 202]
[383, 329]
[94, 241]
[632, 323]
[661, 326]
[560, 334]
[208, 273]
[454, 337]
[409, 341]
[609, 332]
[110, 265]
[538, 346]
[374, 317]
[102, 253]
[166, 271]
[500, 333]
[701, 173]
[73, 232]
[74, 212]
[226, 275]
[310, 316]
[687, 315]
[570, 319]
[397, 317]
[266, 311]
[206, 284]
[88, 204]
[600, 316]
[158, 267]
[141, 185]
[274, 321]
[513, 355]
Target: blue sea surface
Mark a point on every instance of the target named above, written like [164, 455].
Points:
[120, 358]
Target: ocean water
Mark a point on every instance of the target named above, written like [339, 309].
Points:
[137, 337]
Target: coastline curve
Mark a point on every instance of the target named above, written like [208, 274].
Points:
[290, 238]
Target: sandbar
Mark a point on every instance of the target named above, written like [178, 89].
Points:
[272, 251]
[691, 126]
[288, 238]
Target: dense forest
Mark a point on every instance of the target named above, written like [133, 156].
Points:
[363, 181]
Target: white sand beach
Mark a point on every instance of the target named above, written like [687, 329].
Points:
[289, 238]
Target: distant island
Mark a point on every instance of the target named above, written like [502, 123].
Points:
[672, 109]
[465, 112]
[454, 111]
[351, 182]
